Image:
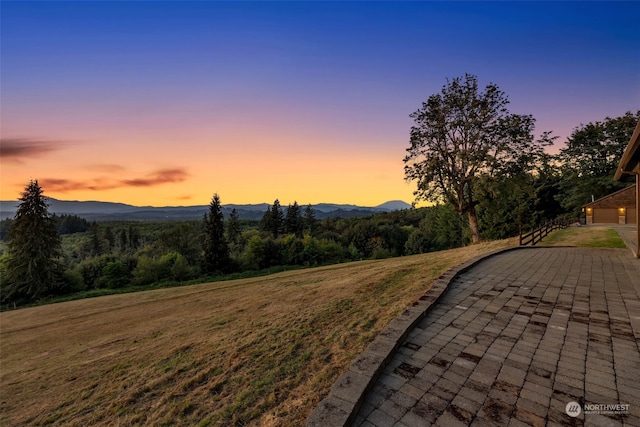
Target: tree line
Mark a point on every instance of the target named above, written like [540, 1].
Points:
[115, 255]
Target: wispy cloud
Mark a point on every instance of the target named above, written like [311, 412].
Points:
[20, 149]
[162, 176]
[65, 185]
[159, 177]
[108, 168]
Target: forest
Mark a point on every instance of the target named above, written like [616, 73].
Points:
[80, 258]
[98, 257]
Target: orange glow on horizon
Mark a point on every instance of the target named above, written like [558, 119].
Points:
[173, 175]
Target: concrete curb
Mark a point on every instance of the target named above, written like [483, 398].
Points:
[341, 407]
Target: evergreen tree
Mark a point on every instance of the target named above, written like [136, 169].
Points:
[440, 229]
[273, 219]
[265, 222]
[293, 223]
[310, 222]
[277, 219]
[124, 242]
[33, 269]
[233, 227]
[68, 224]
[134, 237]
[5, 226]
[216, 249]
[507, 204]
[109, 238]
[95, 246]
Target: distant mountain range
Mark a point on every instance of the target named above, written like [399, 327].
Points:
[107, 211]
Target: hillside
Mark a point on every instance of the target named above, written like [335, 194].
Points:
[107, 211]
[259, 351]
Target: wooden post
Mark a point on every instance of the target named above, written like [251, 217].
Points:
[520, 226]
[638, 215]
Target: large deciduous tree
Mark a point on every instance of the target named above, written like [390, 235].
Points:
[34, 269]
[461, 134]
[216, 248]
[591, 157]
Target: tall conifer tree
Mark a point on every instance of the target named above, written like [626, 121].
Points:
[216, 248]
[310, 222]
[34, 269]
[277, 218]
[273, 219]
[233, 227]
[124, 242]
[293, 222]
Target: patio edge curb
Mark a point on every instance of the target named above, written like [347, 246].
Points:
[341, 406]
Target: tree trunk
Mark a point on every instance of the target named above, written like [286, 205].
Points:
[473, 225]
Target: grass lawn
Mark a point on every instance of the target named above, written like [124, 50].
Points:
[258, 351]
[590, 236]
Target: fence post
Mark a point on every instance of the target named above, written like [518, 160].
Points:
[520, 226]
[540, 232]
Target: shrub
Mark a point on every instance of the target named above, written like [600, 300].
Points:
[253, 255]
[311, 252]
[73, 280]
[114, 275]
[292, 248]
[148, 271]
[181, 270]
[330, 252]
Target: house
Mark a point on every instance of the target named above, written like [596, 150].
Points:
[615, 208]
[630, 165]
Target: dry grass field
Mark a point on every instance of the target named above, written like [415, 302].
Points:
[261, 351]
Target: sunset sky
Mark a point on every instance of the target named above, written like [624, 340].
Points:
[165, 103]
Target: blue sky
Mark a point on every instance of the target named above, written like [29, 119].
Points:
[306, 101]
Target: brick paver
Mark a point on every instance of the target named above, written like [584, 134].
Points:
[515, 339]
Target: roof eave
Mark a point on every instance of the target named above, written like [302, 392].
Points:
[615, 193]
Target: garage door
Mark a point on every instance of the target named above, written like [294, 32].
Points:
[605, 216]
[631, 216]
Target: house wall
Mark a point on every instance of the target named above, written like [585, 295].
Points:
[606, 210]
[612, 216]
[631, 216]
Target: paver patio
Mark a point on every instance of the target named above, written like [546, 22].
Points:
[517, 338]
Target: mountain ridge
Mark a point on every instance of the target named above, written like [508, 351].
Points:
[113, 211]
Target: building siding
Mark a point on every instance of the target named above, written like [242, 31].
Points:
[606, 209]
[631, 216]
